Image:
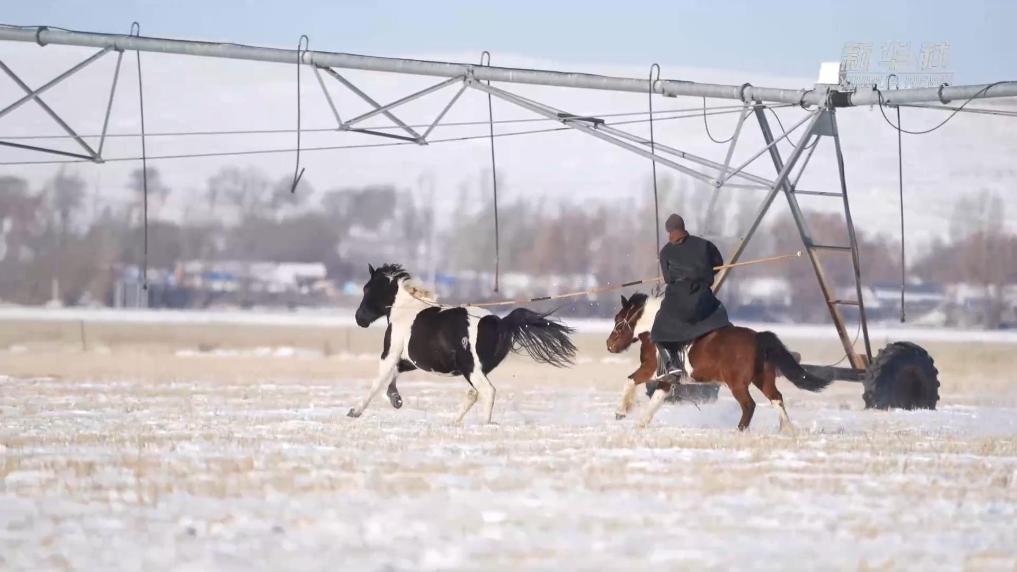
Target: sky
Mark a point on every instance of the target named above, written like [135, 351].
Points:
[776, 44]
[777, 37]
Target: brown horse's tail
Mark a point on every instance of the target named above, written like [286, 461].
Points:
[769, 349]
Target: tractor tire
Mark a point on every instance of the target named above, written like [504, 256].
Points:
[903, 376]
[694, 393]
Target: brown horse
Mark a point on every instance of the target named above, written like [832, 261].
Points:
[732, 356]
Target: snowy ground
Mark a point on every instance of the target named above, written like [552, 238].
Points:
[343, 317]
[153, 474]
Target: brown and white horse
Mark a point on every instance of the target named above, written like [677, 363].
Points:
[732, 356]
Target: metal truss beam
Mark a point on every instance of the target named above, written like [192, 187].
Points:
[757, 181]
[36, 95]
[448, 106]
[597, 128]
[403, 100]
[377, 107]
[755, 156]
[386, 109]
[818, 95]
[587, 125]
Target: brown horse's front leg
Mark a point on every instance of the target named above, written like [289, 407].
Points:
[647, 360]
[628, 393]
[646, 371]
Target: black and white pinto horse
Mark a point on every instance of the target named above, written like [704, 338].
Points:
[451, 340]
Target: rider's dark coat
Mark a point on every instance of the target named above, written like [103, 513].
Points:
[689, 309]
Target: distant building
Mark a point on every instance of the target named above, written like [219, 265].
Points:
[201, 283]
[771, 292]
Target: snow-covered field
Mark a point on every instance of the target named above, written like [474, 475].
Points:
[196, 475]
[219, 443]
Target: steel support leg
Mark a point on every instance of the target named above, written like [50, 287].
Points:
[855, 257]
[856, 360]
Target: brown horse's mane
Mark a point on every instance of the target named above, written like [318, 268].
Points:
[638, 298]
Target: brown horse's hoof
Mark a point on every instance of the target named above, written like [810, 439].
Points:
[353, 413]
[619, 416]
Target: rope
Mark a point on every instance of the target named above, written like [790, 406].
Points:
[298, 172]
[707, 126]
[494, 177]
[900, 189]
[653, 164]
[136, 31]
[858, 331]
[900, 170]
[976, 110]
[784, 131]
[882, 110]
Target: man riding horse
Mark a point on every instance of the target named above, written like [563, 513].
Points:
[689, 309]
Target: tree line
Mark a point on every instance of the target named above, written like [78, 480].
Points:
[63, 238]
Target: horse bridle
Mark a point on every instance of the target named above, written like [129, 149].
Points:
[625, 321]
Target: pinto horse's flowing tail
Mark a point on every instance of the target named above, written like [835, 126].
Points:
[547, 341]
[771, 350]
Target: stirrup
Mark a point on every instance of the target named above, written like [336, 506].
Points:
[678, 374]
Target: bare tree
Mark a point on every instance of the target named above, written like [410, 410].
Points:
[980, 253]
[246, 190]
[282, 194]
[19, 215]
[158, 191]
[66, 194]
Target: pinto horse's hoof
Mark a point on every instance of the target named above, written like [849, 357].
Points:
[619, 416]
[353, 413]
[396, 400]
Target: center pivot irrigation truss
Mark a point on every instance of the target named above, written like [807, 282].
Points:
[821, 101]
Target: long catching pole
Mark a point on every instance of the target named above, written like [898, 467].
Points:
[603, 289]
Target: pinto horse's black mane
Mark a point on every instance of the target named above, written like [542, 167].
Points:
[393, 271]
